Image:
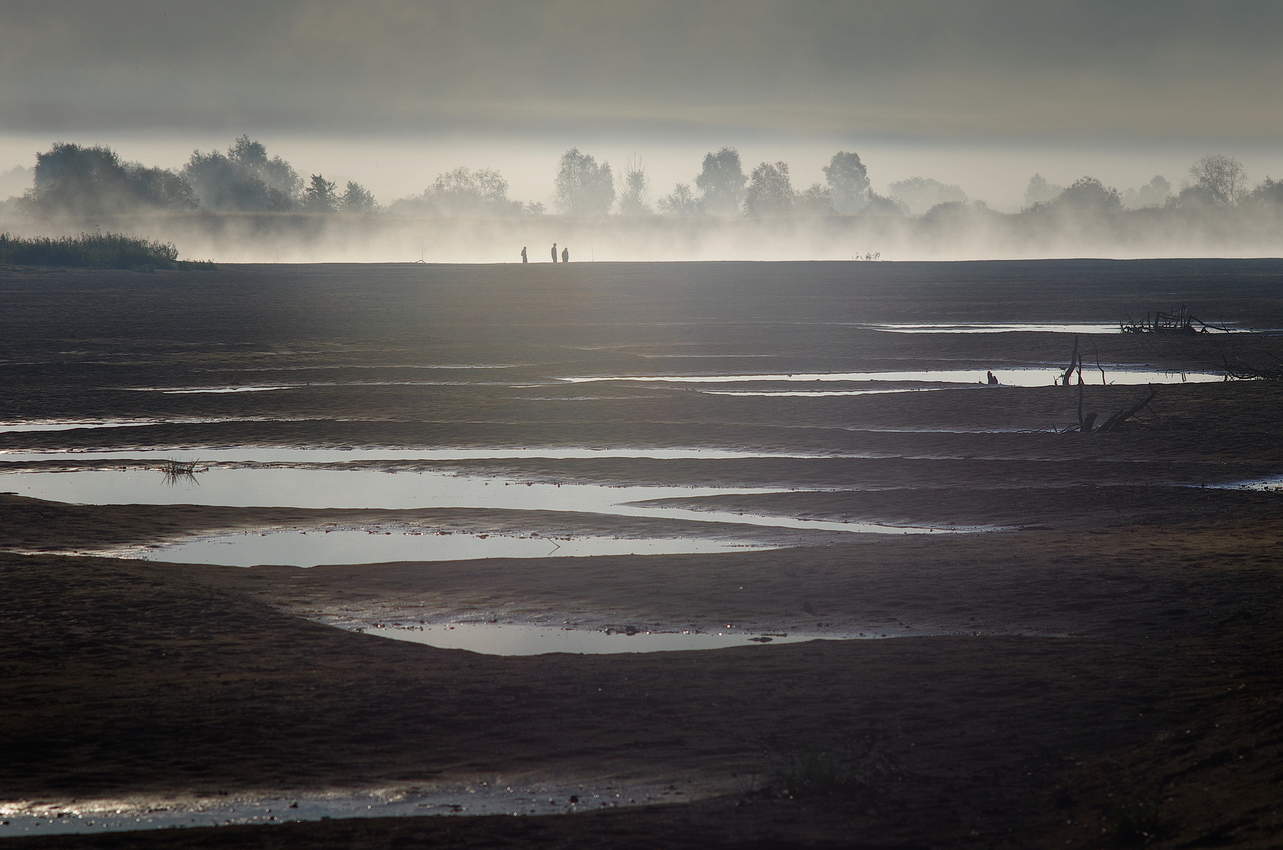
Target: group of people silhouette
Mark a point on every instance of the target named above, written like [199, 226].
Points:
[565, 254]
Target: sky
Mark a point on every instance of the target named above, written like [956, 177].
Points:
[392, 92]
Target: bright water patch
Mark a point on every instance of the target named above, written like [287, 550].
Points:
[337, 366]
[65, 425]
[193, 390]
[259, 388]
[496, 639]
[1271, 484]
[286, 454]
[994, 327]
[817, 393]
[34, 427]
[1027, 376]
[314, 547]
[326, 488]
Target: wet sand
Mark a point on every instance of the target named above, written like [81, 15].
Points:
[1107, 674]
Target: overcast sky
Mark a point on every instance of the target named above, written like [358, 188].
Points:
[904, 78]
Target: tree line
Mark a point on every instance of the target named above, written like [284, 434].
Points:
[74, 180]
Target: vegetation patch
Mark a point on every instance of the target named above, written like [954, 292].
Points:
[93, 251]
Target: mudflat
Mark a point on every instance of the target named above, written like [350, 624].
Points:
[1103, 670]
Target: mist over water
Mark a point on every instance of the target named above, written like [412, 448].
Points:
[442, 131]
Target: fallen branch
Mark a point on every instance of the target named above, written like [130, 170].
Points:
[1086, 424]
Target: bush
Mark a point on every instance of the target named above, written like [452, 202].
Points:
[90, 250]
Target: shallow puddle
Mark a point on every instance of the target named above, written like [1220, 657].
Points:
[994, 327]
[497, 639]
[286, 454]
[313, 547]
[1030, 376]
[64, 425]
[357, 488]
[817, 393]
[337, 366]
[193, 390]
[33, 427]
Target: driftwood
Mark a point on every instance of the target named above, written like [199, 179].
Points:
[1075, 364]
[1087, 419]
[1115, 420]
[1241, 370]
[1180, 322]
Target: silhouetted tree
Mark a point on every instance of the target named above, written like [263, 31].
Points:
[74, 180]
[1153, 194]
[721, 182]
[244, 179]
[815, 200]
[584, 188]
[881, 205]
[680, 202]
[221, 184]
[276, 173]
[919, 194]
[770, 192]
[1222, 176]
[464, 192]
[1088, 194]
[1039, 191]
[320, 195]
[1269, 193]
[357, 199]
[633, 199]
[1194, 198]
[848, 181]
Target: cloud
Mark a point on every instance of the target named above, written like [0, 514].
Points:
[985, 69]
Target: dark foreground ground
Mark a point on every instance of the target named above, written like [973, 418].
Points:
[1107, 673]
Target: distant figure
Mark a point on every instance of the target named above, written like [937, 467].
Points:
[565, 255]
[991, 379]
[554, 252]
[524, 258]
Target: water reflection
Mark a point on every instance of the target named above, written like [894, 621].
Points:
[1024, 376]
[496, 639]
[357, 488]
[313, 547]
[289, 454]
[994, 327]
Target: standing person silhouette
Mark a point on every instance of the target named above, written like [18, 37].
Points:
[554, 252]
[524, 259]
[565, 255]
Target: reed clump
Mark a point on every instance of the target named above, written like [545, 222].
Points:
[93, 251]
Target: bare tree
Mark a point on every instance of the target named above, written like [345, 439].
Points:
[680, 202]
[633, 199]
[1222, 176]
